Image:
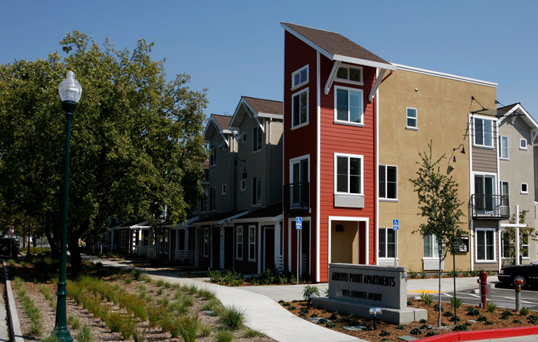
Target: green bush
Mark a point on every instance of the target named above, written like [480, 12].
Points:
[232, 318]
[224, 336]
[74, 322]
[473, 311]
[85, 334]
[423, 274]
[310, 290]
[426, 298]
[416, 331]
[455, 302]
[214, 276]
[188, 327]
[524, 311]
[492, 307]
[413, 275]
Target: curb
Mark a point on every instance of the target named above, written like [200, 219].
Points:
[14, 325]
[482, 334]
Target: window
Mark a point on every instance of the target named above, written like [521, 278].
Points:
[349, 74]
[239, 243]
[411, 118]
[206, 242]
[252, 243]
[524, 245]
[503, 150]
[505, 194]
[348, 105]
[299, 181]
[212, 199]
[485, 244]
[348, 174]
[256, 139]
[224, 189]
[523, 144]
[243, 184]
[388, 182]
[213, 155]
[300, 108]
[257, 190]
[299, 77]
[430, 247]
[204, 202]
[483, 132]
[387, 243]
[166, 236]
[505, 246]
[524, 188]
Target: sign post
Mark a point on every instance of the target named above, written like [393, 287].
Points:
[395, 227]
[298, 227]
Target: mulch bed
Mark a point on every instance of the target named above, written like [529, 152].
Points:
[391, 332]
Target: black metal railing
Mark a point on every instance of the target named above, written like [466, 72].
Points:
[296, 197]
[490, 206]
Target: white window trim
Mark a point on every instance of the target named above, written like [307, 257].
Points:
[347, 66]
[413, 128]
[237, 243]
[254, 194]
[255, 148]
[385, 199]
[526, 144]
[206, 231]
[298, 71]
[361, 157]
[387, 244]
[492, 132]
[213, 156]
[298, 160]
[243, 185]
[251, 243]
[522, 191]
[501, 190]
[433, 248]
[223, 189]
[347, 122]
[477, 261]
[501, 148]
[307, 108]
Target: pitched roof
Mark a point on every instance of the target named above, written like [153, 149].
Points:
[270, 211]
[265, 106]
[337, 47]
[222, 120]
[516, 110]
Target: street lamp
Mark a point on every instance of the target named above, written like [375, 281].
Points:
[70, 92]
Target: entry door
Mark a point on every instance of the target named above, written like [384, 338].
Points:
[305, 249]
[269, 248]
[228, 247]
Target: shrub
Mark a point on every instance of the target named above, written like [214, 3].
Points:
[310, 290]
[232, 318]
[455, 302]
[416, 331]
[423, 321]
[85, 334]
[426, 298]
[400, 327]
[214, 276]
[413, 275]
[36, 328]
[461, 327]
[205, 330]
[331, 325]
[473, 311]
[432, 333]
[74, 322]
[206, 294]
[517, 321]
[475, 273]
[492, 307]
[423, 274]
[524, 311]
[51, 338]
[465, 273]
[188, 327]
[481, 319]
[252, 333]
[223, 336]
[135, 274]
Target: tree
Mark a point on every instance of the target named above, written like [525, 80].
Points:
[136, 147]
[439, 204]
[526, 234]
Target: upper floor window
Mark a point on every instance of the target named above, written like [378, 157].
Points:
[522, 144]
[503, 150]
[348, 174]
[349, 74]
[411, 118]
[257, 190]
[212, 199]
[224, 189]
[300, 108]
[505, 193]
[239, 243]
[524, 188]
[348, 105]
[483, 132]
[213, 155]
[299, 77]
[388, 182]
[257, 136]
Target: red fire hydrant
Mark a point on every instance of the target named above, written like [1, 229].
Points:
[483, 281]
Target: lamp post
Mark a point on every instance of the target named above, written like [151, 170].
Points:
[70, 92]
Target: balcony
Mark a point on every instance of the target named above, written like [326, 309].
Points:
[297, 198]
[490, 207]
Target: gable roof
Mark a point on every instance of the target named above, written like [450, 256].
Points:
[337, 47]
[516, 110]
[218, 123]
[222, 120]
[259, 108]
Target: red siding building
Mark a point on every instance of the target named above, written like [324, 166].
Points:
[330, 150]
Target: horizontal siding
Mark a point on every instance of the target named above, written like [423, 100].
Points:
[484, 160]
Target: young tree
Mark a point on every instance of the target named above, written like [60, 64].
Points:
[136, 139]
[526, 234]
[439, 204]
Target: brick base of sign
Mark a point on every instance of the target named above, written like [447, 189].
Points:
[396, 316]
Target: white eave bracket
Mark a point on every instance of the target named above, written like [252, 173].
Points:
[331, 78]
[534, 133]
[377, 83]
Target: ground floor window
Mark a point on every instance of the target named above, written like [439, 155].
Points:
[387, 243]
[485, 244]
[239, 243]
[206, 242]
[252, 243]
[430, 247]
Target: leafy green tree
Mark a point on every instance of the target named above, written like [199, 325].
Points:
[526, 234]
[439, 205]
[136, 145]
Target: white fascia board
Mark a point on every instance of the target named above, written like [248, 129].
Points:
[527, 117]
[271, 116]
[211, 121]
[260, 220]
[307, 41]
[443, 75]
[364, 62]
[229, 219]
[236, 114]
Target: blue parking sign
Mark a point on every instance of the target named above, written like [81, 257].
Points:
[395, 224]
[298, 223]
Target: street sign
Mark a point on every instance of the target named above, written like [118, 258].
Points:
[396, 224]
[298, 223]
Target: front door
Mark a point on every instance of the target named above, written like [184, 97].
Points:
[269, 248]
[228, 248]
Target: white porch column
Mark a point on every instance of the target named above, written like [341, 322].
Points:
[517, 234]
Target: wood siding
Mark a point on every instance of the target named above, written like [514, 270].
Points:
[485, 159]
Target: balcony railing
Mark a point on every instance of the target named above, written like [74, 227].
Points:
[296, 197]
[490, 207]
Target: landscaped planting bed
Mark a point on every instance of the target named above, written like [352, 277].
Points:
[469, 318]
[107, 304]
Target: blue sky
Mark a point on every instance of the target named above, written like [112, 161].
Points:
[235, 48]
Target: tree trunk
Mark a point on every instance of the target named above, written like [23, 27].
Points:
[55, 254]
[74, 250]
[440, 261]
